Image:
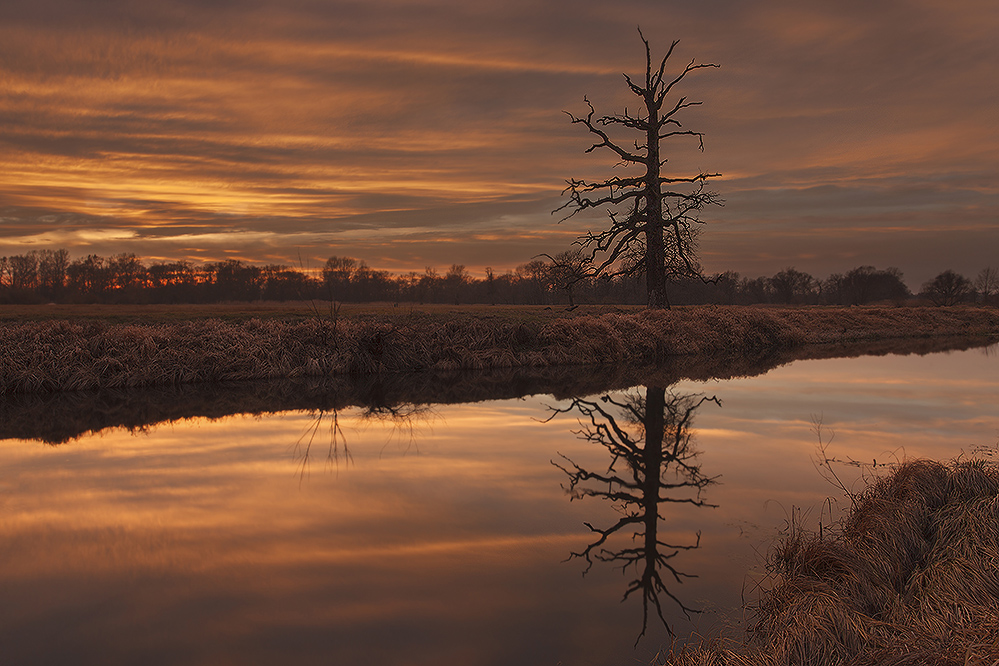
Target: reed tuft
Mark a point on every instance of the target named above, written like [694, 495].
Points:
[910, 577]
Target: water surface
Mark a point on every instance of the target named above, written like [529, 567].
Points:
[443, 533]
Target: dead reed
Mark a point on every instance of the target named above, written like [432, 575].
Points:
[910, 577]
[43, 356]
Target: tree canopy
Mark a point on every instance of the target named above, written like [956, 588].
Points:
[654, 217]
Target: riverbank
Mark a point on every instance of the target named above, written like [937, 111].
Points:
[61, 416]
[47, 355]
[909, 577]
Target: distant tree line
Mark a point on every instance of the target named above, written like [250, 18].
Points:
[43, 276]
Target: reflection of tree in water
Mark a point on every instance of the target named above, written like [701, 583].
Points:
[652, 465]
[337, 442]
[405, 420]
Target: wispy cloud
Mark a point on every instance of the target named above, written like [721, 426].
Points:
[330, 127]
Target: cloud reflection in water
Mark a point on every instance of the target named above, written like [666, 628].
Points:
[199, 540]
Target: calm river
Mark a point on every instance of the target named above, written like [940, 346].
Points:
[442, 534]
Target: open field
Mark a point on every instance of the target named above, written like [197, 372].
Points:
[909, 577]
[125, 347]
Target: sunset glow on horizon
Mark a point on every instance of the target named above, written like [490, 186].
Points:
[413, 134]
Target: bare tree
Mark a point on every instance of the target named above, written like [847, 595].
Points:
[948, 288]
[24, 271]
[794, 286]
[567, 269]
[126, 271]
[534, 274]
[52, 265]
[490, 285]
[657, 232]
[865, 284]
[338, 274]
[457, 280]
[987, 284]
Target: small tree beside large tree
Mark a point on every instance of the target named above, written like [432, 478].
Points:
[948, 288]
[654, 218]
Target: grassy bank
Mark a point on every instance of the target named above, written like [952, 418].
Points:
[910, 577]
[61, 416]
[72, 354]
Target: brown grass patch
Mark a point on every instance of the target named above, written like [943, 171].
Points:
[72, 354]
[910, 577]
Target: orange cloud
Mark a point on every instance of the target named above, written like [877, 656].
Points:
[283, 127]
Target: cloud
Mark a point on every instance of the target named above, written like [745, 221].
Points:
[312, 121]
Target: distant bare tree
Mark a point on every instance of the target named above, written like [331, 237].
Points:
[24, 271]
[865, 284]
[338, 273]
[234, 281]
[490, 285]
[88, 276]
[566, 270]
[457, 280]
[125, 271]
[794, 286]
[52, 265]
[656, 233]
[948, 288]
[429, 284]
[281, 283]
[987, 284]
[534, 274]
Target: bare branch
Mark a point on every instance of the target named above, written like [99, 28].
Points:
[605, 140]
[654, 236]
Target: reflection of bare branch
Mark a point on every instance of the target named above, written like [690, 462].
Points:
[337, 439]
[406, 420]
[652, 437]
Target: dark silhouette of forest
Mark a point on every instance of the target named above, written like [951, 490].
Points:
[44, 276]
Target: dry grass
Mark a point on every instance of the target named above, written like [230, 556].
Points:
[911, 577]
[62, 354]
[60, 416]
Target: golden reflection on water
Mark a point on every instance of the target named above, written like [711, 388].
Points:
[440, 538]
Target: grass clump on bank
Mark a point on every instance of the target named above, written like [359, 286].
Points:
[55, 355]
[910, 577]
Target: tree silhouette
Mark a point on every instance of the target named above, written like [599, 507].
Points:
[948, 288]
[794, 286]
[566, 270]
[866, 284]
[987, 284]
[657, 234]
[653, 465]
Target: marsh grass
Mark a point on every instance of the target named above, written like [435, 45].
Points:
[61, 416]
[911, 576]
[73, 354]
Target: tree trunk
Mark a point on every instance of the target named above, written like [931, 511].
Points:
[655, 248]
[655, 277]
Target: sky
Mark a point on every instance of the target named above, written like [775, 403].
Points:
[411, 133]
